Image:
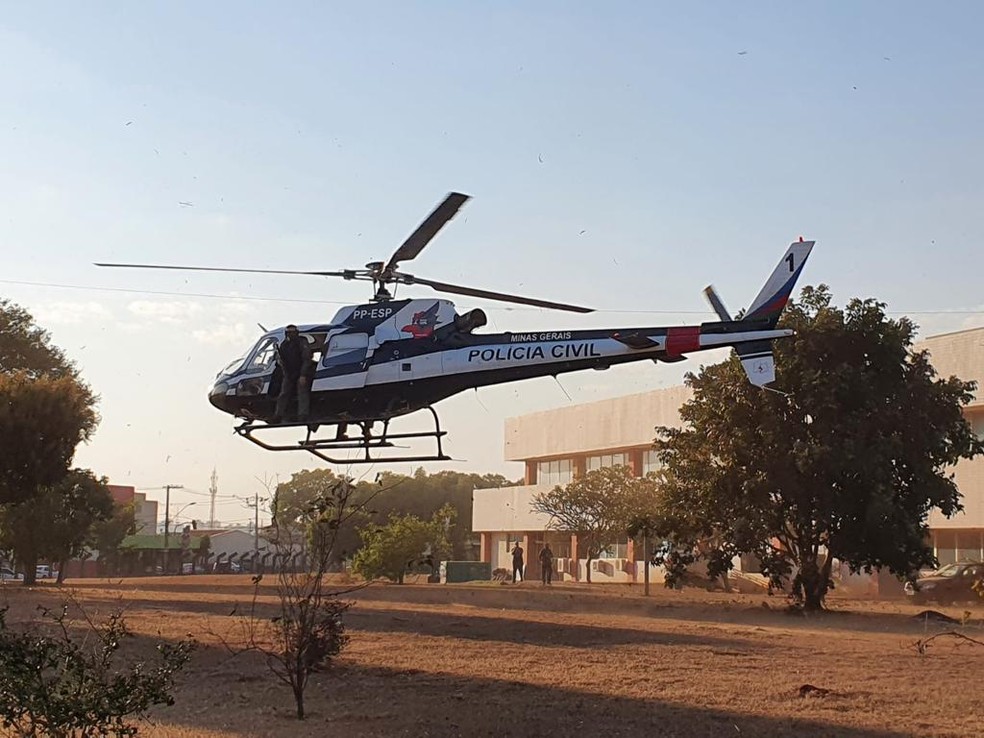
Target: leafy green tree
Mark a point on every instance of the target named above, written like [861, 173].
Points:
[420, 495]
[42, 421]
[845, 461]
[26, 346]
[107, 535]
[46, 410]
[598, 507]
[651, 525]
[57, 524]
[390, 550]
[667, 531]
[303, 505]
[423, 494]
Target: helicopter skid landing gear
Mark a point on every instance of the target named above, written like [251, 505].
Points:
[366, 441]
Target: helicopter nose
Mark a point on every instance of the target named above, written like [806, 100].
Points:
[217, 396]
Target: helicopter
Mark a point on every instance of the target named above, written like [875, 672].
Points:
[392, 357]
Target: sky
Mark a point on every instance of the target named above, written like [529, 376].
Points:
[619, 155]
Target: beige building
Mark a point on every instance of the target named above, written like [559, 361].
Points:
[962, 536]
[557, 445]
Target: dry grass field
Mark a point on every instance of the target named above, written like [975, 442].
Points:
[504, 660]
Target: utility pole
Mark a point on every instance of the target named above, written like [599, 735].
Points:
[213, 490]
[256, 514]
[256, 526]
[167, 517]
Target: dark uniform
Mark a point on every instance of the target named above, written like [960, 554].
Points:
[295, 359]
[546, 564]
[517, 553]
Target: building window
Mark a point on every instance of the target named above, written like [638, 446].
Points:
[977, 424]
[617, 550]
[650, 462]
[556, 472]
[599, 462]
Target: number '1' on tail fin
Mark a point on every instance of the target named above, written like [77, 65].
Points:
[769, 304]
[756, 356]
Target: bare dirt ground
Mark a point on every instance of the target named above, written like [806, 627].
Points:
[505, 660]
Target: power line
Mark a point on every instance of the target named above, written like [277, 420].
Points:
[167, 294]
[209, 494]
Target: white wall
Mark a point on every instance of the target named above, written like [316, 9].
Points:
[507, 509]
[622, 422]
[233, 541]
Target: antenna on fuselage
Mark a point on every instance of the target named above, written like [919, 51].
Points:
[262, 328]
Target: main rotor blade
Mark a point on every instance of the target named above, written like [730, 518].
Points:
[348, 275]
[428, 229]
[501, 296]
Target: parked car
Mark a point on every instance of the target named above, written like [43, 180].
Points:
[951, 583]
[7, 573]
[42, 571]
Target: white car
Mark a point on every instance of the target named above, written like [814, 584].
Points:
[7, 573]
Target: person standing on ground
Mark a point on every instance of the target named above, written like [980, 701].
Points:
[517, 554]
[546, 564]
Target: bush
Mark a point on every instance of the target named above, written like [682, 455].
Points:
[393, 549]
[54, 682]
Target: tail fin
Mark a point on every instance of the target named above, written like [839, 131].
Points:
[756, 357]
[769, 304]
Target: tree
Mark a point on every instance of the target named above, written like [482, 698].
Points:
[420, 495]
[107, 535]
[391, 550]
[598, 507]
[845, 461]
[26, 346]
[423, 494]
[42, 420]
[58, 523]
[308, 632]
[667, 529]
[646, 527]
[295, 510]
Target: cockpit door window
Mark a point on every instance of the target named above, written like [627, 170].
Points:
[264, 359]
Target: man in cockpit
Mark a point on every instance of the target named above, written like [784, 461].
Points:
[295, 359]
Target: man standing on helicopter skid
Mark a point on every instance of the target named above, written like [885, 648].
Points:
[296, 363]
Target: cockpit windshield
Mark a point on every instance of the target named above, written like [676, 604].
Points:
[233, 366]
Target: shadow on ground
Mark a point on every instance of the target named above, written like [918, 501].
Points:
[463, 625]
[375, 702]
[718, 608]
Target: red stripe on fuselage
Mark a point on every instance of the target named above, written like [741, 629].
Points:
[681, 340]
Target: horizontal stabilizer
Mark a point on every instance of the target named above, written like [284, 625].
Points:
[760, 368]
[758, 362]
